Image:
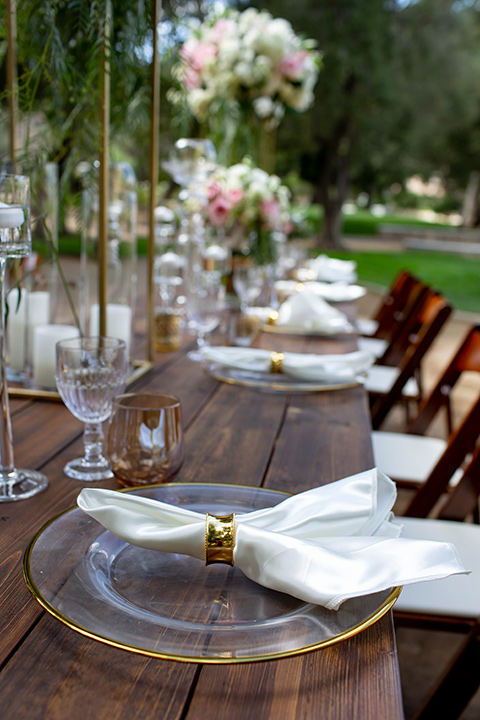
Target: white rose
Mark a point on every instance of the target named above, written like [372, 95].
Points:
[199, 101]
[281, 29]
[243, 72]
[229, 51]
[263, 106]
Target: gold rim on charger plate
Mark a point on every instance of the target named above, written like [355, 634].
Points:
[386, 605]
[286, 330]
[278, 385]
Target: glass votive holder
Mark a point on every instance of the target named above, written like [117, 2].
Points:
[145, 438]
[168, 329]
[243, 328]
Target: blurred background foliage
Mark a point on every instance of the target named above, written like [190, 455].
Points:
[398, 98]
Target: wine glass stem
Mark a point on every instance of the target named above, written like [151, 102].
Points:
[6, 439]
[93, 442]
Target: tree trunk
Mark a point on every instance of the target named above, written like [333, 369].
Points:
[331, 188]
[471, 213]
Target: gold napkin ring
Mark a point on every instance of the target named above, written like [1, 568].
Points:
[219, 539]
[276, 362]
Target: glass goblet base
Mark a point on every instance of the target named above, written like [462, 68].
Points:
[82, 469]
[21, 484]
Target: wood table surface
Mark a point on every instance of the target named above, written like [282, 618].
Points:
[234, 435]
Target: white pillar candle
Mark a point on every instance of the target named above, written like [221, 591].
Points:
[119, 322]
[10, 217]
[17, 329]
[45, 338]
[38, 314]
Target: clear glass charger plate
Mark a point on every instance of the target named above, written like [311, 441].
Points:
[307, 332]
[171, 606]
[277, 382]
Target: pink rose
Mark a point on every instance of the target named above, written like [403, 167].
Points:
[292, 64]
[235, 196]
[213, 190]
[219, 211]
[191, 78]
[222, 28]
[270, 210]
[197, 54]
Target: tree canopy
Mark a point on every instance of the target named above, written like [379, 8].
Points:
[398, 93]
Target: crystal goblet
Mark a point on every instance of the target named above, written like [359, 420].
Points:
[205, 302]
[15, 241]
[91, 371]
[248, 282]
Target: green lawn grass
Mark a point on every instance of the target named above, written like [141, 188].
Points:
[457, 277]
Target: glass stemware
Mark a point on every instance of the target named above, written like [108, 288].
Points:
[91, 371]
[205, 302]
[248, 281]
[15, 242]
[191, 161]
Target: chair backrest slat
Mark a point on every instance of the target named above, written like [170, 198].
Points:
[411, 359]
[461, 442]
[467, 357]
[463, 500]
[395, 305]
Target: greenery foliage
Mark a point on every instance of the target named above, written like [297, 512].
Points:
[398, 93]
[453, 275]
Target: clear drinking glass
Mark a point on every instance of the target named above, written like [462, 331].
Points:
[205, 302]
[145, 439]
[15, 242]
[91, 371]
[248, 281]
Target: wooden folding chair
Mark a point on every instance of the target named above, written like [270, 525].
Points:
[452, 603]
[387, 349]
[429, 464]
[387, 384]
[395, 306]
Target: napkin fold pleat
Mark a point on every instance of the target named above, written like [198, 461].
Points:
[339, 291]
[332, 269]
[322, 546]
[303, 366]
[307, 311]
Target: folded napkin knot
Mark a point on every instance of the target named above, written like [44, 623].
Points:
[219, 538]
[276, 362]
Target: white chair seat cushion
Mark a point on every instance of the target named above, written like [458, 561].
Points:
[455, 596]
[410, 458]
[380, 380]
[365, 326]
[375, 346]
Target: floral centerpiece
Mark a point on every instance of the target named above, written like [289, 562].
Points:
[242, 60]
[250, 206]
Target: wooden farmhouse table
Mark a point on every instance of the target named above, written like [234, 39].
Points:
[234, 435]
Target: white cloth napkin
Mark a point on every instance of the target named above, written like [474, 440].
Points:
[307, 311]
[304, 366]
[322, 546]
[332, 292]
[332, 269]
